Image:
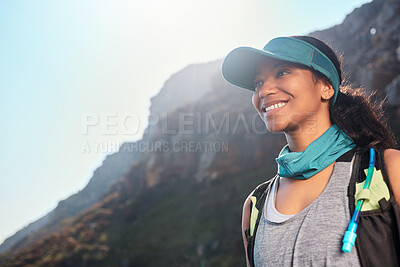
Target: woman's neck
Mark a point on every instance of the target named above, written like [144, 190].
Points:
[300, 139]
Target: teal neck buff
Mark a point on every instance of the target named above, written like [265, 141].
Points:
[318, 155]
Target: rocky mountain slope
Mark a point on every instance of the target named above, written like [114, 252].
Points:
[112, 168]
[190, 84]
[369, 39]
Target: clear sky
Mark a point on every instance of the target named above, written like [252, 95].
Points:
[68, 64]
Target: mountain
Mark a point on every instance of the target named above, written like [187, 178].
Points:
[177, 201]
[188, 85]
[369, 41]
[112, 168]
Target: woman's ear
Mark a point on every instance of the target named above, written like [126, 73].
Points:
[327, 90]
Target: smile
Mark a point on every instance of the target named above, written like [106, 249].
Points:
[275, 106]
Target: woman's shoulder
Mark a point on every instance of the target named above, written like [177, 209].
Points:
[392, 154]
[257, 192]
[392, 162]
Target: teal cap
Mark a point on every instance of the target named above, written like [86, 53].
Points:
[239, 66]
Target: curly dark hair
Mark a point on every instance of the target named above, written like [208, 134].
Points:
[354, 112]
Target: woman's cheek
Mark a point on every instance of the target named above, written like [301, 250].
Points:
[256, 102]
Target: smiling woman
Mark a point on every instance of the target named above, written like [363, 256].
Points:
[299, 218]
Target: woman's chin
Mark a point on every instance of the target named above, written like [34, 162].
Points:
[274, 127]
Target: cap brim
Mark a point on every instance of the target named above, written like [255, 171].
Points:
[239, 66]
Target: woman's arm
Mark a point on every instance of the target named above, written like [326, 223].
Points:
[246, 224]
[392, 161]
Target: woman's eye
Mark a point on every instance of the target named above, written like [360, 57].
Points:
[257, 83]
[281, 73]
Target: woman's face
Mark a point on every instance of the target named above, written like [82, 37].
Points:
[287, 97]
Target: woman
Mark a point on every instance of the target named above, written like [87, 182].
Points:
[297, 90]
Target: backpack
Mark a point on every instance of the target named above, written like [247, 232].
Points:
[383, 222]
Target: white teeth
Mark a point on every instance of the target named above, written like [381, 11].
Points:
[281, 104]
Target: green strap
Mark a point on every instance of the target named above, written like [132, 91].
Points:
[377, 190]
[254, 214]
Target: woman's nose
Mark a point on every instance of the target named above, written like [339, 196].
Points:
[268, 87]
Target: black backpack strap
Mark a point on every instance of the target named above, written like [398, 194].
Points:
[378, 231]
[257, 202]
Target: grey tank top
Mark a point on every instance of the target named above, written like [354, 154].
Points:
[271, 213]
[313, 237]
